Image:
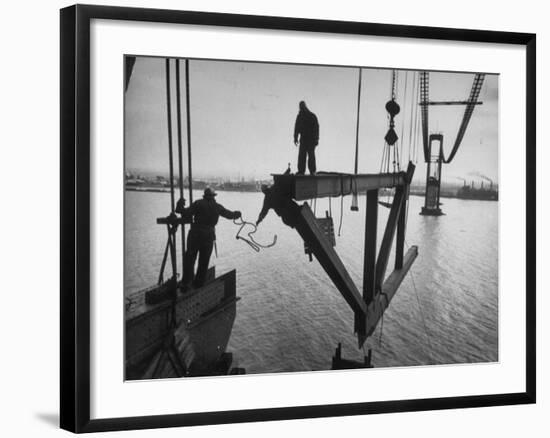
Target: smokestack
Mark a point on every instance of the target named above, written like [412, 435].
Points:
[462, 179]
[480, 175]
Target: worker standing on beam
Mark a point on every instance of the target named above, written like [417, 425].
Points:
[307, 129]
[200, 240]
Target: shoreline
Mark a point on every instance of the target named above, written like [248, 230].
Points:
[167, 190]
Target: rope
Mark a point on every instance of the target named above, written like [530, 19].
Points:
[396, 159]
[250, 241]
[169, 126]
[353, 181]
[180, 155]
[394, 84]
[416, 121]
[341, 214]
[381, 331]
[385, 164]
[403, 122]
[357, 128]
[412, 115]
[430, 349]
[341, 203]
[383, 157]
[407, 209]
[188, 113]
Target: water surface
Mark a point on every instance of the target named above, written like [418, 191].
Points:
[290, 316]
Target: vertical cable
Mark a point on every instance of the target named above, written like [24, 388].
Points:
[178, 110]
[169, 113]
[171, 236]
[357, 127]
[180, 156]
[413, 90]
[416, 120]
[354, 204]
[403, 122]
[190, 172]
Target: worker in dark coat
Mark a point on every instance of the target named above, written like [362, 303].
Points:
[200, 239]
[283, 206]
[307, 129]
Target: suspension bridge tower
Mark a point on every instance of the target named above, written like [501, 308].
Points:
[435, 157]
[433, 177]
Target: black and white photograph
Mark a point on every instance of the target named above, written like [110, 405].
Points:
[275, 218]
[283, 218]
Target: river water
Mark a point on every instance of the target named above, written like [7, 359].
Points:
[290, 316]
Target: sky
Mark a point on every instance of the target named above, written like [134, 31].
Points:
[243, 114]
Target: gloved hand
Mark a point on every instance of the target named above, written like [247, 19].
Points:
[180, 205]
[237, 214]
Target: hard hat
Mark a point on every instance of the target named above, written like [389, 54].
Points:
[209, 193]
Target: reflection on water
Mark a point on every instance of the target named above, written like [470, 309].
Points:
[291, 317]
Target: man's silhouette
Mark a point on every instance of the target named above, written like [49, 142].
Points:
[306, 135]
[200, 239]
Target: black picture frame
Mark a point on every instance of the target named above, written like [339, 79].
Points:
[75, 216]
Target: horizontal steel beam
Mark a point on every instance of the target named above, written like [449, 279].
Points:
[323, 185]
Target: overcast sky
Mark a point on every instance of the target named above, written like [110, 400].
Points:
[242, 118]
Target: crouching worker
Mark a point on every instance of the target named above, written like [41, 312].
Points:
[283, 206]
[200, 239]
